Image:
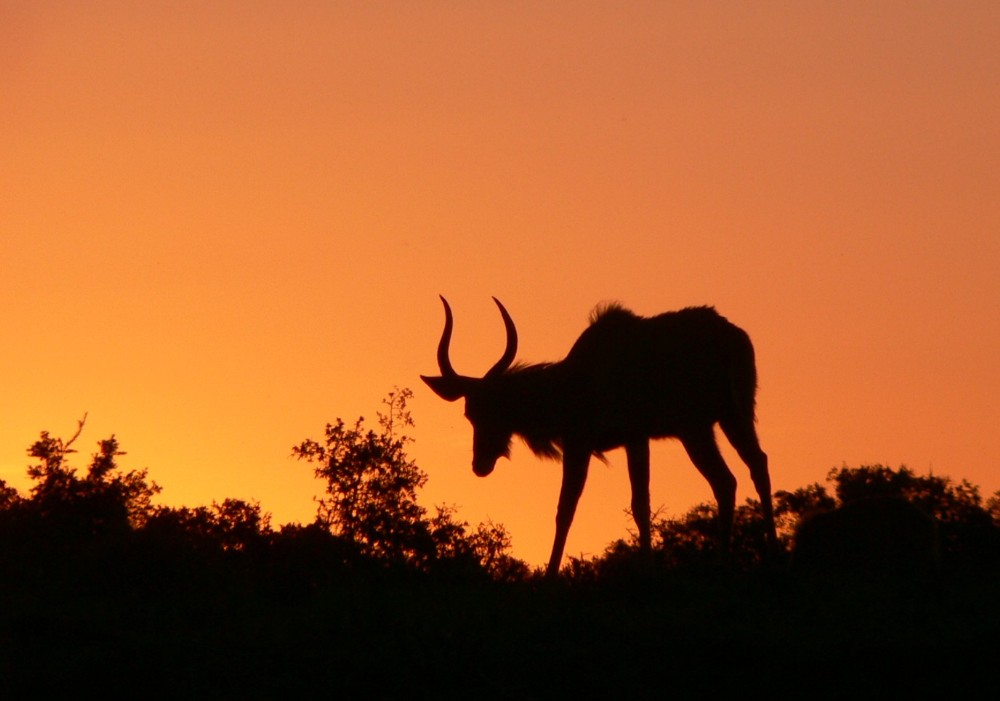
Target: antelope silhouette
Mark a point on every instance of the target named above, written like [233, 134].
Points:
[626, 380]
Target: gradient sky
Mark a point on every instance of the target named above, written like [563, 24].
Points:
[224, 224]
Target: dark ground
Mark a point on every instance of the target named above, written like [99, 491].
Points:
[416, 636]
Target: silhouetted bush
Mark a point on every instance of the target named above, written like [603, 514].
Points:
[73, 528]
[371, 485]
[371, 500]
[879, 535]
[102, 526]
[968, 532]
[104, 589]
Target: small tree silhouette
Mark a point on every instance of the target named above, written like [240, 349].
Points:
[371, 484]
[73, 527]
[370, 498]
[969, 536]
[103, 500]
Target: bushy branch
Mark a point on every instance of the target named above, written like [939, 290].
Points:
[370, 496]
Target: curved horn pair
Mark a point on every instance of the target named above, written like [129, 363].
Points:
[451, 385]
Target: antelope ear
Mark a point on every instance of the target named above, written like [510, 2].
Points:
[448, 388]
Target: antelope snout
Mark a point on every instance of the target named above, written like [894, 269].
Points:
[483, 468]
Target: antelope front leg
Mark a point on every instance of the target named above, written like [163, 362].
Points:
[575, 464]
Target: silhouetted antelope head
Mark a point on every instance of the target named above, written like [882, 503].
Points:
[491, 436]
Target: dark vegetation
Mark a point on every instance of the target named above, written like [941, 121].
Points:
[102, 588]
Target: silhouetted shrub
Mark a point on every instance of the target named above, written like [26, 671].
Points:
[791, 507]
[101, 587]
[968, 534]
[693, 539]
[880, 535]
[371, 485]
[370, 499]
[73, 528]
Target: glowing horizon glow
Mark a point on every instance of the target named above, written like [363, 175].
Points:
[222, 227]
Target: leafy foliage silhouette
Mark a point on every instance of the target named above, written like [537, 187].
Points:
[369, 514]
[969, 528]
[103, 499]
[101, 585]
[371, 499]
[371, 484]
[103, 522]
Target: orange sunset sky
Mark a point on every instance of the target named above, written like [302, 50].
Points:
[224, 224]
